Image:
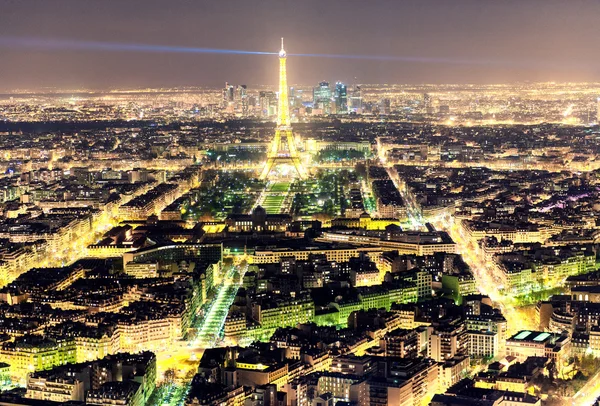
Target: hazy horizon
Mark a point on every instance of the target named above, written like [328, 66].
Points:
[91, 44]
[251, 86]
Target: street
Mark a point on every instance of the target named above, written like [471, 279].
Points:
[185, 355]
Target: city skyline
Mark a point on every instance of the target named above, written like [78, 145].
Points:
[331, 244]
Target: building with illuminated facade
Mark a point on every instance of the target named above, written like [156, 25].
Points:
[483, 344]
[35, 353]
[407, 382]
[447, 341]
[341, 98]
[282, 312]
[271, 255]
[258, 221]
[322, 98]
[538, 269]
[538, 344]
[343, 387]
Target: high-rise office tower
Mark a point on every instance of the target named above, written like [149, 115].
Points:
[427, 103]
[322, 97]
[268, 103]
[385, 106]
[295, 98]
[228, 93]
[243, 98]
[356, 100]
[225, 94]
[298, 96]
[252, 104]
[241, 91]
[341, 98]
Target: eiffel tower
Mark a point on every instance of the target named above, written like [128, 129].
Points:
[280, 151]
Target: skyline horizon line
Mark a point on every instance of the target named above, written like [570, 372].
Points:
[95, 89]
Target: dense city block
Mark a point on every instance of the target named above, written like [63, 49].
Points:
[375, 244]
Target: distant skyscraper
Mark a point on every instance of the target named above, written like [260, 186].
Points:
[322, 97]
[228, 92]
[341, 98]
[356, 100]
[427, 103]
[252, 103]
[243, 98]
[241, 91]
[385, 106]
[298, 96]
[268, 103]
[292, 96]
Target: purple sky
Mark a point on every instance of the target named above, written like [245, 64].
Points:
[463, 41]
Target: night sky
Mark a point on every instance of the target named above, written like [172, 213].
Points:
[461, 41]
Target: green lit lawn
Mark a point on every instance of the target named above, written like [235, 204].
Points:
[272, 204]
[275, 196]
[280, 187]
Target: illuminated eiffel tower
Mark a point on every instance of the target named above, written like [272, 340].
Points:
[283, 152]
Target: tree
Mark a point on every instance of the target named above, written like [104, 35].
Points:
[552, 370]
[192, 334]
[329, 207]
[170, 376]
[189, 375]
[361, 170]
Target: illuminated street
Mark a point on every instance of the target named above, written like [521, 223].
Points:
[210, 328]
[517, 318]
[588, 394]
[184, 357]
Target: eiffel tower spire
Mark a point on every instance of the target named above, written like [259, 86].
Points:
[283, 105]
[277, 154]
